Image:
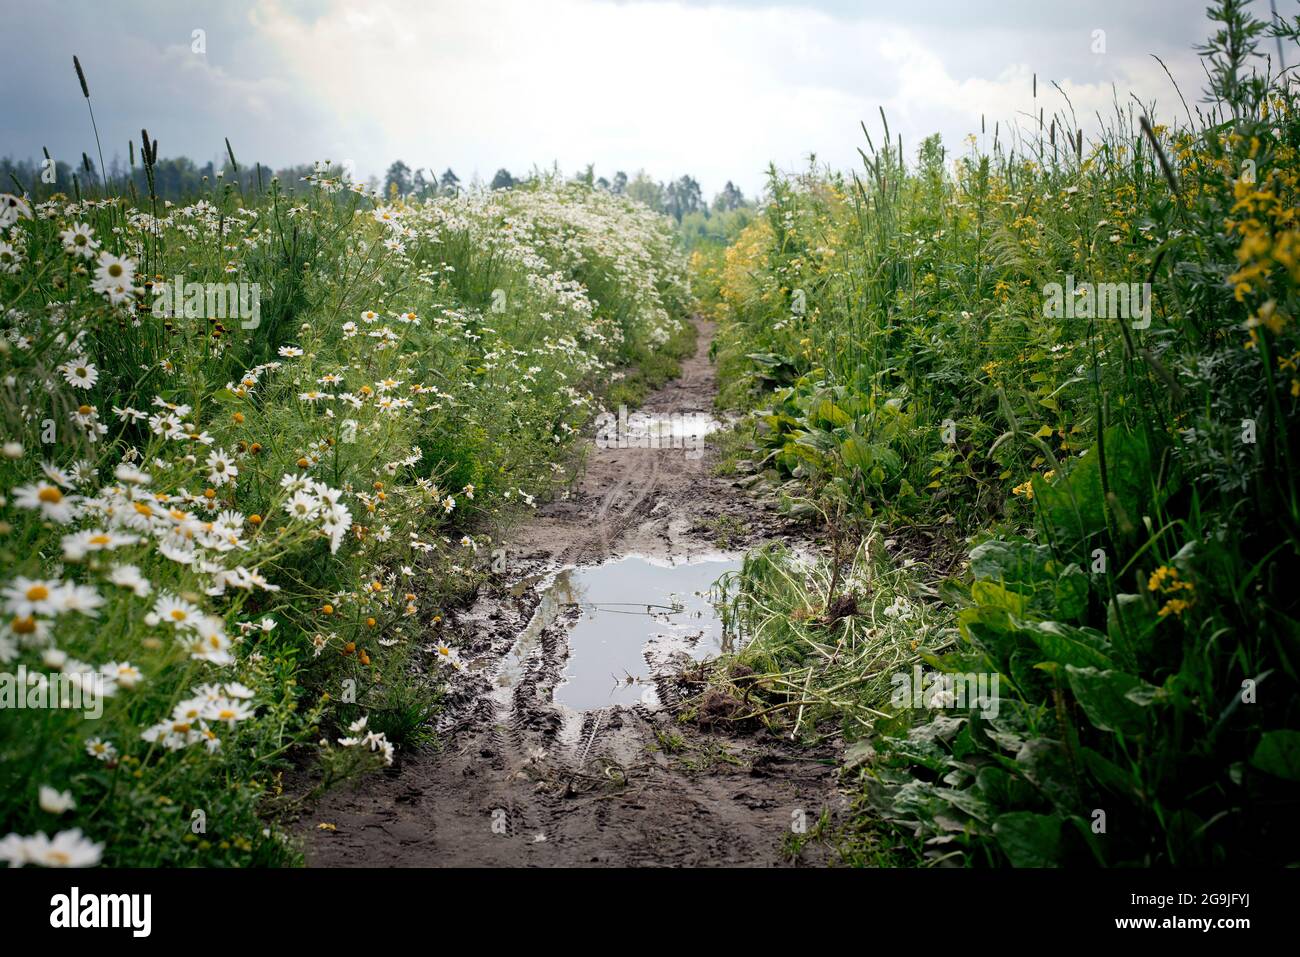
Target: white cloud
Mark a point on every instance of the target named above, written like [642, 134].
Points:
[709, 90]
[684, 86]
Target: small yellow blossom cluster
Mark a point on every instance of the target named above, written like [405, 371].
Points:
[1178, 593]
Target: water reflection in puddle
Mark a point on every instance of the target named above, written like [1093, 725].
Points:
[655, 430]
[636, 618]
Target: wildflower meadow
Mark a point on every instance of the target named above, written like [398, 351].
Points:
[938, 510]
[231, 518]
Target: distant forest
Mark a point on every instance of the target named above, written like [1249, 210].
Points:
[180, 179]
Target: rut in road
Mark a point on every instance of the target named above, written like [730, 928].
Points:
[519, 780]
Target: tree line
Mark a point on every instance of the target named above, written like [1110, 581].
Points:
[678, 198]
[180, 178]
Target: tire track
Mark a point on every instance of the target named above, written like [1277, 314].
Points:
[519, 780]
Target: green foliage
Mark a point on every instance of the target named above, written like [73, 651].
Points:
[1126, 478]
[247, 527]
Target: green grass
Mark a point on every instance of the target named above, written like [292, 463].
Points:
[417, 378]
[1126, 488]
[651, 368]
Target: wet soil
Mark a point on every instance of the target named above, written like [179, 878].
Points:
[518, 779]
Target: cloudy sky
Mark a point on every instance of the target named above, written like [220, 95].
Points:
[714, 88]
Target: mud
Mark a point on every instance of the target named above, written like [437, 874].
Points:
[521, 779]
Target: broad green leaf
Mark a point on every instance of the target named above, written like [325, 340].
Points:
[1010, 562]
[1278, 753]
[1108, 774]
[1028, 839]
[1130, 623]
[991, 594]
[1071, 593]
[1113, 700]
[832, 414]
[1068, 645]
[818, 439]
[856, 453]
[1073, 508]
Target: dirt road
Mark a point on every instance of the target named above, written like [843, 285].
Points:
[520, 780]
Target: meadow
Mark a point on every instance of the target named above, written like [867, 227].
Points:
[1042, 396]
[1038, 399]
[254, 443]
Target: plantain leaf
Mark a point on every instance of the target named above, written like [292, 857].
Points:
[1028, 839]
[1278, 753]
[1068, 645]
[1113, 700]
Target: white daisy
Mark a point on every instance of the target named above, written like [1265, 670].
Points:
[80, 240]
[131, 475]
[101, 750]
[80, 373]
[177, 611]
[212, 643]
[66, 849]
[82, 598]
[51, 502]
[11, 259]
[302, 505]
[122, 673]
[25, 597]
[12, 209]
[53, 801]
[129, 577]
[114, 272]
[229, 711]
[79, 544]
[221, 468]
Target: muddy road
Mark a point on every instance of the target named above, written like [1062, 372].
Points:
[560, 744]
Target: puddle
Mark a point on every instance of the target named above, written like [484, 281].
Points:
[634, 618]
[655, 430]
